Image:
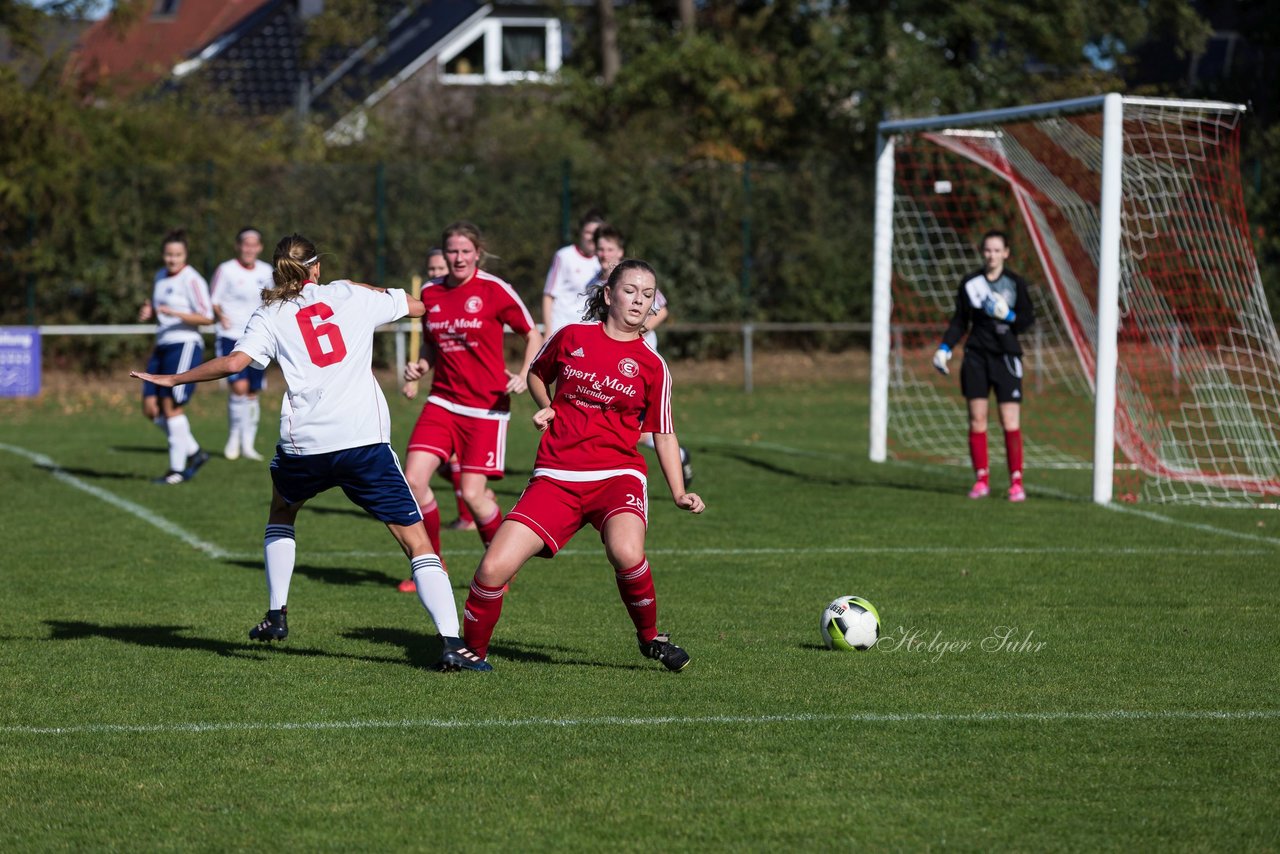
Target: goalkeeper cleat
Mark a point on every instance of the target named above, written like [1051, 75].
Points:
[274, 627]
[457, 656]
[1017, 493]
[662, 649]
[981, 489]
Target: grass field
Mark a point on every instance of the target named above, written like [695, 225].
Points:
[1135, 702]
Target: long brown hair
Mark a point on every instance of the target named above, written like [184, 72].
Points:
[291, 268]
[597, 308]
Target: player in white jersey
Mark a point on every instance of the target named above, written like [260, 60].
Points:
[334, 426]
[574, 267]
[236, 290]
[179, 304]
[610, 249]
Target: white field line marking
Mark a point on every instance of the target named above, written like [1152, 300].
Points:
[1112, 715]
[304, 554]
[1114, 507]
[148, 516]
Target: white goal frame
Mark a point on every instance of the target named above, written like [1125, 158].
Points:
[1112, 107]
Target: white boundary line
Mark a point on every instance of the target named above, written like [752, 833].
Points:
[1154, 551]
[1105, 716]
[218, 553]
[148, 516]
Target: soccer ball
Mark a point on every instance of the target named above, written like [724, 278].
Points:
[850, 622]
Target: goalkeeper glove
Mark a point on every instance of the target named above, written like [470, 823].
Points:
[941, 358]
[995, 306]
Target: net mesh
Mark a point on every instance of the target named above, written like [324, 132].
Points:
[1198, 382]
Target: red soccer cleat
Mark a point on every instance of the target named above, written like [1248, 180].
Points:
[981, 489]
[407, 586]
[1017, 493]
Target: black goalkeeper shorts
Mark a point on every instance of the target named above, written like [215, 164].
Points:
[983, 371]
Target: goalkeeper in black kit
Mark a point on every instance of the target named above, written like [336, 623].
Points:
[994, 307]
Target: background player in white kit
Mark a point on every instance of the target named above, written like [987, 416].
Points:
[334, 426]
[236, 290]
[609, 385]
[179, 304]
[610, 248]
[573, 269]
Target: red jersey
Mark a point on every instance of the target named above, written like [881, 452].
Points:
[464, 326]
[606, 393]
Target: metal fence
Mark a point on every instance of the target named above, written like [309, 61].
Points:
[745, 332]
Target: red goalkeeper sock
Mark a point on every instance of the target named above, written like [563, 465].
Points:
[480, 615]
[489, 527]
[431, 519]
[978, 453]
[1013, 450]
[635, 585]
[455, 475]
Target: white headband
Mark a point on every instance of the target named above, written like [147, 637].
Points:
[313, 259]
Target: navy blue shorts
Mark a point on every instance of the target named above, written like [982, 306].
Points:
[252, 374]
[370, 476]
[173, 359]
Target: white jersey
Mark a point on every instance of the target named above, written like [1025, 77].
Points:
[567, 281]
[323, 340]
[237, 292]
[185, 291]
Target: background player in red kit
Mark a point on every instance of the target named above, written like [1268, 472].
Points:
[438, 269]
[469, 404]
[609, 385]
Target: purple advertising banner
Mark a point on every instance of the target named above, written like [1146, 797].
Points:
[19, 361]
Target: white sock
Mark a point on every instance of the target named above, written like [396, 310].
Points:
[180, 439]
[235, 415]
[249, 413]
[279, 549]
[435, 593]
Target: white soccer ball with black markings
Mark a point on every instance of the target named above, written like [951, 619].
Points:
[850, 623]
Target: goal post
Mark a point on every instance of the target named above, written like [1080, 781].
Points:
[1153, 370]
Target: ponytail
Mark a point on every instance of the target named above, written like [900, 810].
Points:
[291, 268]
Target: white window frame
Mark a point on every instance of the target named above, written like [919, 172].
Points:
[490, 30]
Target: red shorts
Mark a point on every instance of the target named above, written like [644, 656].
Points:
[480, 443]
[556, 509]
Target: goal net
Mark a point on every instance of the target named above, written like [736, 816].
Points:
[1196, 382]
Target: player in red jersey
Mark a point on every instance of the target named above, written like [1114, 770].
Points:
[438, 269]
[469, 404]
[609, 385]
[610, 249]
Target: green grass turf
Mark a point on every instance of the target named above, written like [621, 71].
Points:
[575, 742]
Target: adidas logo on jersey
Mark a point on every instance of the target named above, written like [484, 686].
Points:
[578, 353]
[435, 309]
